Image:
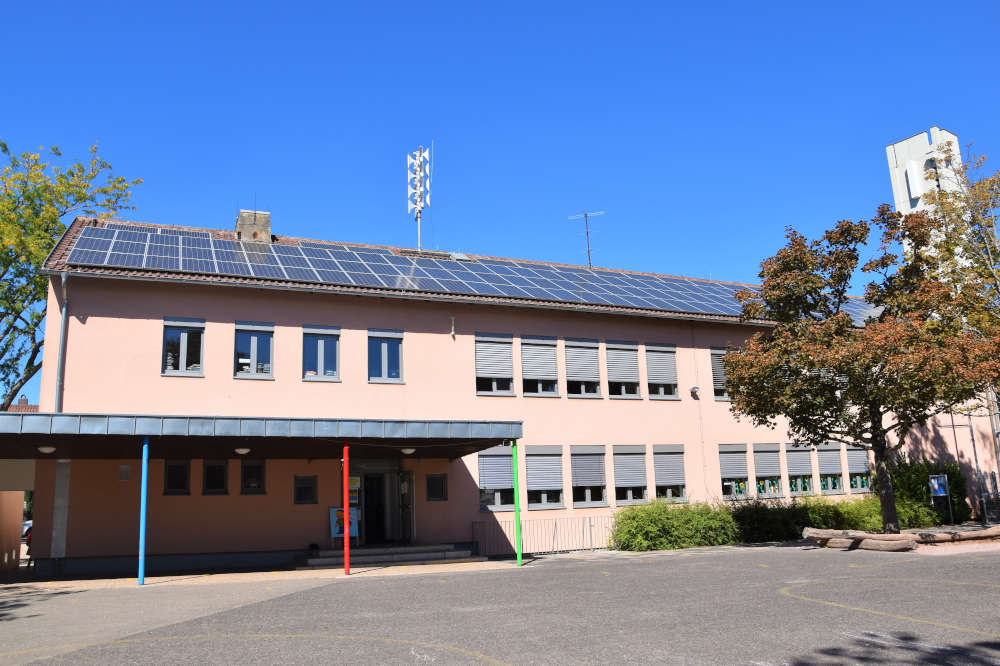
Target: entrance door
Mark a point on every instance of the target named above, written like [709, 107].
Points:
[406, 506]
[374, 509]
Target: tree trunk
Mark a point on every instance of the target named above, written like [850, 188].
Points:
[883, 477]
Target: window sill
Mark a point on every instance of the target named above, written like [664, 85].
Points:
[586, 396]
[857, 491]
[266, 378]
[631, 502]
[181, 373]
[736, 498]
[499, 394]
[215, 492]
[541, 395]
[176, 493]
[542, 507]
[770, 496]
[672, 500]
[834, 492]
[384, 380]
[624, 397]
[718, 399]
[804, 493]
[675, 398]
[253, 492]
[305, 503]
[496, 509]
[317, 378]
[589, 505]
[437, 499]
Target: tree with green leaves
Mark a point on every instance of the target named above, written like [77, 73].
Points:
[833, 379]
[36, 198]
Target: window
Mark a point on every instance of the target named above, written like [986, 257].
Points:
[253, 350]
[496, 479]
[719, 375]
[630, 474]
[544, 471]
[385, 357]
[587, 464]
[623, 369]
[320, 351]
[176, 477]
[733, 466]
[767, 470]
[661, 371]
[538, 366]
[306, 490]
[858, 470]
[215, 478]
[799, 461]
[668, 467]
[494, 364]
[583, 373]
[252, 477]
[831, 481]
[182, 347]
[437, 487]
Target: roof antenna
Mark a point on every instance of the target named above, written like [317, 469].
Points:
[586, 225]
[418, 185]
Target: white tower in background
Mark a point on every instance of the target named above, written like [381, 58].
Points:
[908, 160]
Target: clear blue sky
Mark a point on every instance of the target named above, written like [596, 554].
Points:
[702, 131]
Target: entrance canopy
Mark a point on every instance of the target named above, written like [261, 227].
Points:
[115, 436]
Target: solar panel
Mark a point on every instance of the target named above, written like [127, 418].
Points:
[133, 246]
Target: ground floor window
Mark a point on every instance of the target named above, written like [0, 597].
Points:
[831, 483]
[587, 465]
[800, 484]
[306, 490]
[177, 477]
[496, 498]
[861, 482]
[541, 498]
[734, 488]
[496, 479]
[670, 492]
[769, 486]
[588, 494]
[630, 493]
[252, 478]
[437, 487]
[214, 481]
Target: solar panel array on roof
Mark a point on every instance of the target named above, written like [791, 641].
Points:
[164, 249]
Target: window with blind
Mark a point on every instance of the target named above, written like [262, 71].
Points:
[496, 479]
[539, 374]
[767, 470]
[719, 374]
[583, 372]
[544, 472]
[661, 371]
[623, 369]
[587, 464]
[494, 364]
[831, 480]
[858, 469]
[733, 468]
[630, 474]
[799, 462]
[668, 468]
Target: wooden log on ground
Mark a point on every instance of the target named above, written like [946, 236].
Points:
[813, 533]
[823, 536]
[839, 542]
[882, 545]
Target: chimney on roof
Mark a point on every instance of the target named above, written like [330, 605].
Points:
[253, 226]
[23, 400]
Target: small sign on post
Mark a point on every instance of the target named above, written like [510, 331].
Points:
[939, 488]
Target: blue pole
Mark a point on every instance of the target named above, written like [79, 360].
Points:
[142, 510]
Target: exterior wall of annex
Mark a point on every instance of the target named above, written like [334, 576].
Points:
[114, 363]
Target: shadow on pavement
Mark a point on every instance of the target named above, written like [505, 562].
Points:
[876, 648]
[14, 598]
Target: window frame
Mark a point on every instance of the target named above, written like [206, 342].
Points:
[186, 327]
[495, 390]
[444, 486]
[657, 395]
[256, 330]
[244, 463]
[545, 503]
[651, 349]
[576, 343]
[526, 377]
[759, 480]
[314, 479]
[624, 396]
[589, 501]
[497, 505]
[500, 339]
[669, 497]
[205, 464]
[728, 480]
[719, 352]
[538, 393]
[630, 499]
[385, 335]
[800, 493]
[167, 464]
[860, 490]
[839, 477]
[322, 335]
[597, 451]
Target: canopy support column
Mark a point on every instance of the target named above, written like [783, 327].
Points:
[142, 510]
[517, 502]
[347, 509]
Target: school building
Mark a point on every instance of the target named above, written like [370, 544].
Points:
[248, 361]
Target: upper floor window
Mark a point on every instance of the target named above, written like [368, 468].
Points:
[320, 348]
[254, 349]
[623, 369]
[494, 364]
[583, 372]
[719, 375]
[182, 347]
[385, 356]
[539, 375]
[661, 371]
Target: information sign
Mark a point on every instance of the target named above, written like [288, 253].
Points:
[337, 522]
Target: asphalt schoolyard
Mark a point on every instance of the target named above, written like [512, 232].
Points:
[789, 604]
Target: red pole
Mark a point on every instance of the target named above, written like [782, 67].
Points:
[347, 509]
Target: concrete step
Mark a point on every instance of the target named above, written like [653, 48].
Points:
[389, 558]
[382, 550]
[450, 560]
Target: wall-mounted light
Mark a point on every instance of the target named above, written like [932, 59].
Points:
[46, 449]
[694, 391]
[242, 451]
[408, 452]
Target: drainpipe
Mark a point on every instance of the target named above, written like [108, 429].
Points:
[60, 363]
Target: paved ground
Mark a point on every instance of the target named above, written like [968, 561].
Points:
[744, 605]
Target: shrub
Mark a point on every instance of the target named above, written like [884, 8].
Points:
[661, 525]
[911, 481]
[769, 520]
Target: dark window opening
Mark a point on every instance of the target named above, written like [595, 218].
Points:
[623, 388]
[574, 387]
[539, 386]
[306, 490]
[494, 384]
[176, 477]
[215, 478]
[252, 478]
[437, 487]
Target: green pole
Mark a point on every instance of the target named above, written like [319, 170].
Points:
[517, 503]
